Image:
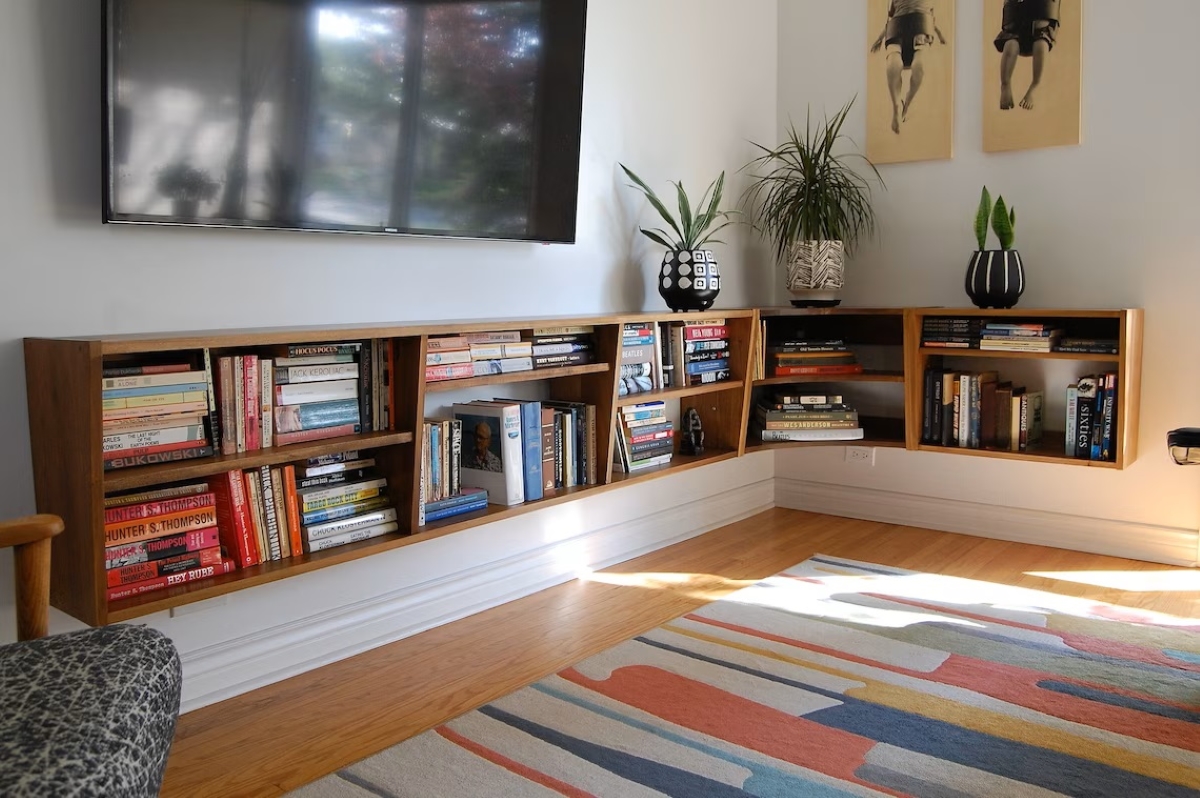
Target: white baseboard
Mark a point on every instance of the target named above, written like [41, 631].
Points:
[1168, 545]
[699, 501]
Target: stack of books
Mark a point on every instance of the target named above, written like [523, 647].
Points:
[1091, 409]
[644, 437]
[1018, 337]
[640, 371]
[947, 332]
[453, 357]
[802, 357]
[156, 539]
[699, 352]
[156, 414]
[342, 499]
[806, 417]
[558, 347]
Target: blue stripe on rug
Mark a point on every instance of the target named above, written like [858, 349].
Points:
[1014, 760]
[857, 566]
[666, 779]
[765, 781]
[1116, 700]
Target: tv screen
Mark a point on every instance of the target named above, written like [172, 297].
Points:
[424, 117]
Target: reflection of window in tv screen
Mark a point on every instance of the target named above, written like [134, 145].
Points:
[435, 118]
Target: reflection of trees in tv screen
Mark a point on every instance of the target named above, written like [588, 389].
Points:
[457, 118]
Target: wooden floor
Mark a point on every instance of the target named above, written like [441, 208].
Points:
[285, 735]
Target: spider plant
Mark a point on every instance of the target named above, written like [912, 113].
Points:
[805, 191]
[693, 228]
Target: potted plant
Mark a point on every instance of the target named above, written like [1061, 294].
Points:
[689, 278]
[186, 186]
[995, 277]
[813, 206]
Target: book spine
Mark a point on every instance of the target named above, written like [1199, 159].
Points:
[135, 512]
[297, 418]
[563, 330]
[708, 377]
[160, 548]
[228, 405]
[450, 371]
[197, 385]
[318, 531]
[275, 477]
[447, 358]
[150, 414]
[312, 350]
[454, 342]
[466, 497]
[293, 509]
[158, 526]
[155, 400]
[562, 360]
[305, 436]
[170, 580]
[511, 450]
[260, 506]
[700, 333]
[127, 371]
[797, 371]
[564, 348]
[239, 396]
[455, 457]
[168, 455]
[500, 337]
[143, 441]
[290, 375]
[307, 392]
[151, 380]
[368, 378]
[266, 382]
[351, 537]
[706, 366]
[253, 404]
[472, 506]
[342, 511]
[121, 426]
[816, 424]
[233, 522]
[1107, 420]
[1072, 411]
[531, 440]
[140, 572]
[350, 494]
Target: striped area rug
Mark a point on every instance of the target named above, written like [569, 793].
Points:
[838, 678]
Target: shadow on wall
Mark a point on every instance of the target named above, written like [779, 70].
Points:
[629, 291]
[71, 102]
[16, 470]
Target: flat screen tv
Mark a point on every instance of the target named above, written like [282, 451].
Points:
[419, 117]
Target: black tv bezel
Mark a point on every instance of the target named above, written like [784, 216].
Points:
[570, 109]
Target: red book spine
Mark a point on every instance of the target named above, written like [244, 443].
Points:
[140, 572]
[170, 580]
[233, 519]
[705, 333]
[293, 509]
[133, 512]
[159, 526]
[283, 439]
[160, 548]
[449, 371]
[253, 402]
[793, 371]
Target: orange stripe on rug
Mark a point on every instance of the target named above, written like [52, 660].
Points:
[512, 766]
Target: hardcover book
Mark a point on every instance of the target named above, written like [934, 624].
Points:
[492, 450]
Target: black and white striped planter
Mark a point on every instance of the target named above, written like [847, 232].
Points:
[689, 279]
[995, 278]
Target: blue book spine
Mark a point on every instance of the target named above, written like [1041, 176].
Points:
[531, 433]
[435, 459]
[332, 513]
[446, 512]
[125, 393]
[469, 496]
[637, 340]
[705, 366]
[317, 415]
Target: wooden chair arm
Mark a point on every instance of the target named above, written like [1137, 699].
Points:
[30, 529]
[30, 539]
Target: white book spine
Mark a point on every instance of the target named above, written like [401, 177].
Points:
[352, 537]
[318, 373]
[318, 531]
[266, 382]
[306, 392]
[150, 380]
[153, 437]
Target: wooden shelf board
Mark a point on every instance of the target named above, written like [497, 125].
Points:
[1016, 313]
[1048, 450]
[952, 352]
[144, 476]
[679, 393]
[785, 310]
[517, 376]
[866, 376]
[678, 463]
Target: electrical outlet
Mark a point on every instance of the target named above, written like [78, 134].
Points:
[860, 454]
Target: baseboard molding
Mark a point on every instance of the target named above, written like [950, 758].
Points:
[1161, 544]
[250, 661]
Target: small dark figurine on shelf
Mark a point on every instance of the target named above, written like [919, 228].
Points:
[692, 440]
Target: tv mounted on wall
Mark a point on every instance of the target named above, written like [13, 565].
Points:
[420, 117]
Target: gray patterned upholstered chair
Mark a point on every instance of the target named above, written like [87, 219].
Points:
[88, 713]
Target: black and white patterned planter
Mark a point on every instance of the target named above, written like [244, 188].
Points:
[815, 272]
[995, 278]
[689, 279]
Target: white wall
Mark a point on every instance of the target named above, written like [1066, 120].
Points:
[674, 88]
[1111, 223]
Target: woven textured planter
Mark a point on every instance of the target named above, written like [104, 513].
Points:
[995, 278]
[814, 273]
[689, 279]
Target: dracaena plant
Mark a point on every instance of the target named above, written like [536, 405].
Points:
[696, 224]
[1003, 220]
[805, 189]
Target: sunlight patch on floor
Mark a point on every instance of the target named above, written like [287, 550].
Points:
[708, 587]
[1173, 581]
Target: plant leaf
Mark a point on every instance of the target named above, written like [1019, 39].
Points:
[657, 237]
[686, 221]
[641, 186]
[1002, 224]
[982, 217]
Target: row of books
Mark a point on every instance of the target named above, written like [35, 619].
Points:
[239, 519]
[1091, 410]
[787, 416]
[942, 332]
[309, 392]
[514, 450]
[452, 357]
[156, 412]
[671, 354]
[644, 437]
[975, 410]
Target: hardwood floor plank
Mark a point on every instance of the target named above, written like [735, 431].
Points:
[287, 734]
